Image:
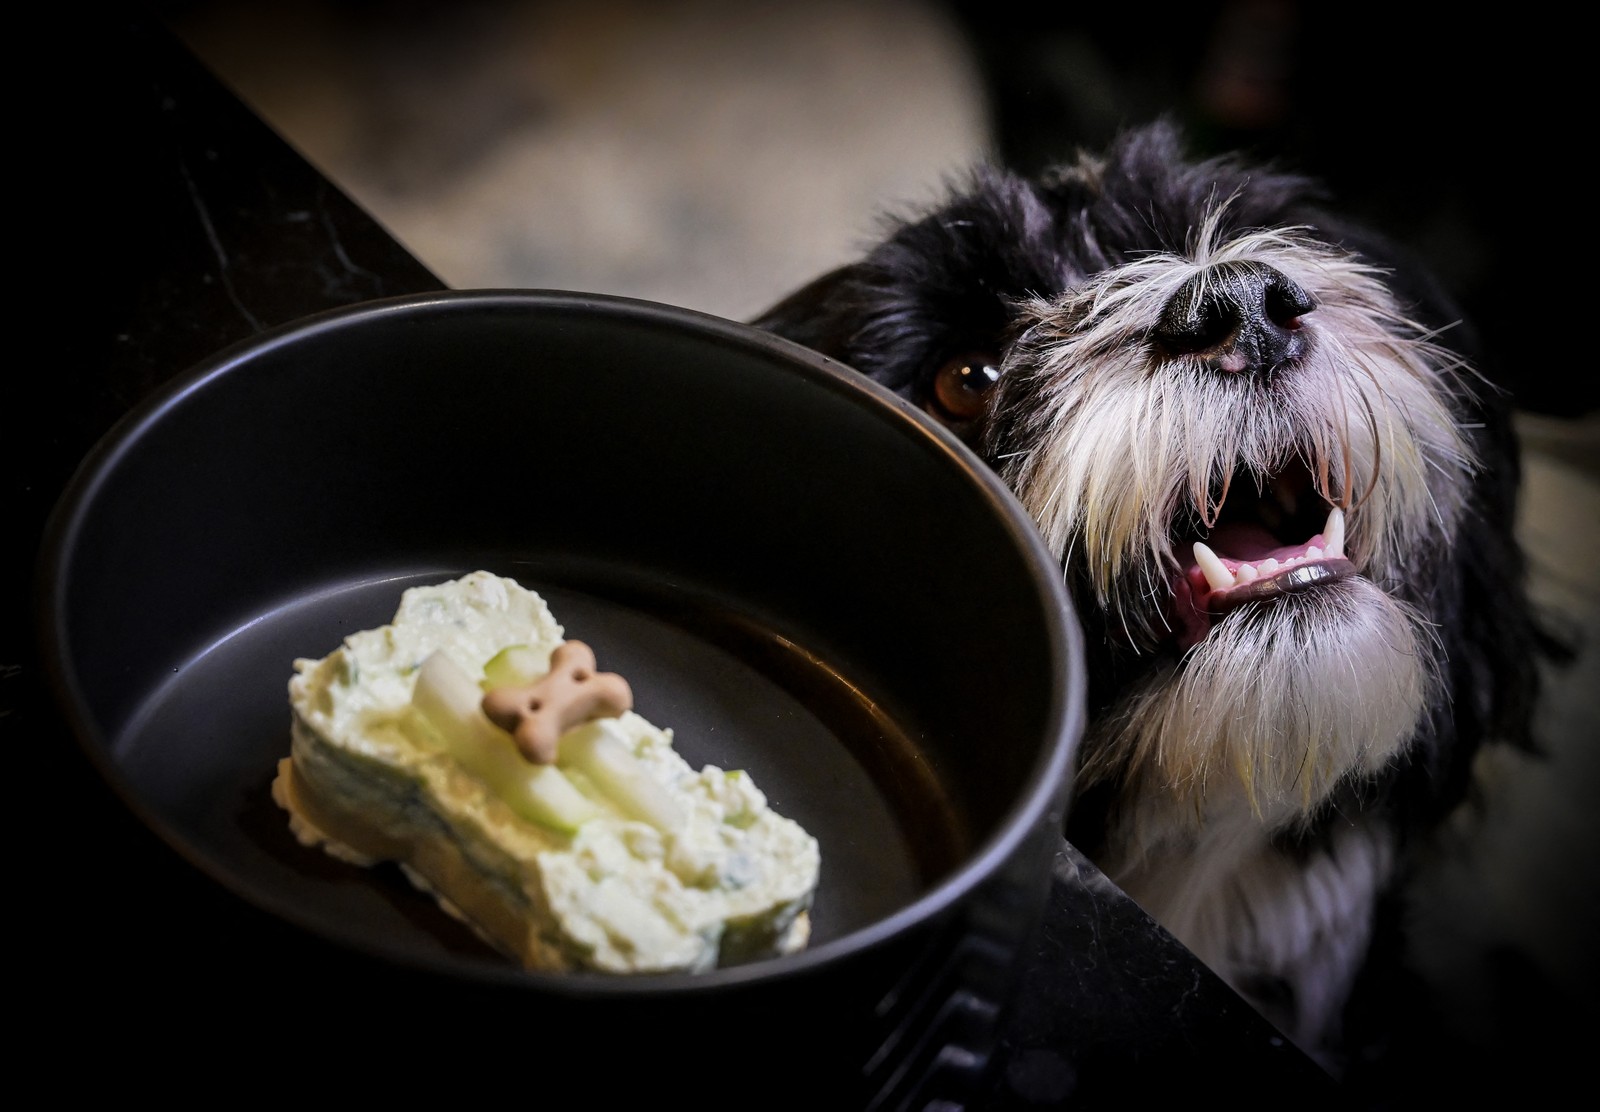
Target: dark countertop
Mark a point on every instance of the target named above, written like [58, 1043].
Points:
[179, 224]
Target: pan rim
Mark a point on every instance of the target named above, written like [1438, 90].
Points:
[1047, 786]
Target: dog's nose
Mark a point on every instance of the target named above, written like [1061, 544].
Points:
[1240, 316]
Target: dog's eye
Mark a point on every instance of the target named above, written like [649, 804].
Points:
[961, 387]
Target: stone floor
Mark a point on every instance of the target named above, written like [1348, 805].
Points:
[706, 153]
[715, 154]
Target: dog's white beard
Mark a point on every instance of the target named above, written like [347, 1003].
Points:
[1278, 704]
[1251, 730]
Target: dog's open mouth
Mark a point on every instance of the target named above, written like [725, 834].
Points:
[1265, 545]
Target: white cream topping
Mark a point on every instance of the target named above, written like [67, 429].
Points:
[734, 878]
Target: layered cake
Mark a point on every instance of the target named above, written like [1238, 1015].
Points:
[469, 742]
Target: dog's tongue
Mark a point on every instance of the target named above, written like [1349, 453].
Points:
[1250, 543]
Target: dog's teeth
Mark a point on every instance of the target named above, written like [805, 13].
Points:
[1313, 553]
[1333, 533]
[1247, 574]
[1217, 575]
[1267, 566]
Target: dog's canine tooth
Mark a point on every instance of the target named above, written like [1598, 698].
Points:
[1218, 576]
[1333, 533]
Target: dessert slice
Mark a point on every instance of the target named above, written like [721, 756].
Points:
[471, 744]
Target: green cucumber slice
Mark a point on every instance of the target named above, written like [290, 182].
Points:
[514, 666]
[595, 751]
[451, 702]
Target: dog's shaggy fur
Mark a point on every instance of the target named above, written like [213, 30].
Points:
[1153, 350]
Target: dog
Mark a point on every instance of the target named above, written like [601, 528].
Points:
[1282, 492]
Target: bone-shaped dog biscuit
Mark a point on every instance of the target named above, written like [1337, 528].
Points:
[571, 693]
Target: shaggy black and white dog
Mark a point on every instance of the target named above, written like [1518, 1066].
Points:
[1283, 499]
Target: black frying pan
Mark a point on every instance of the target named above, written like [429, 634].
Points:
[797, 573]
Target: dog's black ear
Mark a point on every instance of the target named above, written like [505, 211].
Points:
[817, 314]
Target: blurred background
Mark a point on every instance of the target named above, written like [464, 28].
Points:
[716, 154]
